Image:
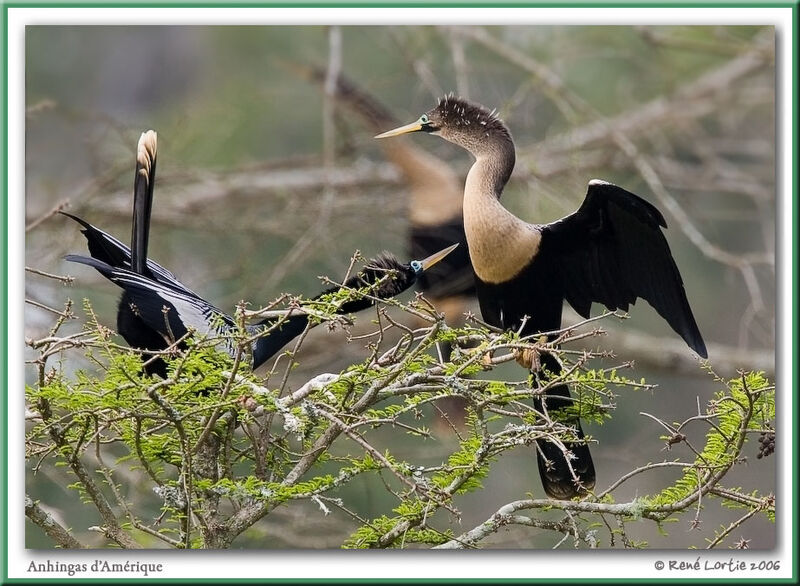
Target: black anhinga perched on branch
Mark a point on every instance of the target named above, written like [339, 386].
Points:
[156, 310]
[610, 251]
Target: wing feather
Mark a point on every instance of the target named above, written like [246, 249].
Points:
[109, 250]
[612, 251]
[183, 309]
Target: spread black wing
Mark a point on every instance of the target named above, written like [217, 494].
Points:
[612, 251]
[141, 315]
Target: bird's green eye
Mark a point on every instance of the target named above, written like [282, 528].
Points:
[423, 119]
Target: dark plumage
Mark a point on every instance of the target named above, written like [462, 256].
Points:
[392, 278]
[156, 309]
[164, 309]
[610, 251]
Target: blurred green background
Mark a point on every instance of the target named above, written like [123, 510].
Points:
[243, 210]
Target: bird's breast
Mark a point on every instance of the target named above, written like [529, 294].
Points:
[499, 249]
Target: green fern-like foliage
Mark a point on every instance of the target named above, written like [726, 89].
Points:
[217, 448]
[745, 405]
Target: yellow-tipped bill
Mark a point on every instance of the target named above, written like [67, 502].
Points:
[413, 127]
[436, 257]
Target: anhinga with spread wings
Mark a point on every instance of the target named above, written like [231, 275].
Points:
[156, 310]
[611, 250]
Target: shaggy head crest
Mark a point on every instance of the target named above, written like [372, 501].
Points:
[456, 112]
[400, 276]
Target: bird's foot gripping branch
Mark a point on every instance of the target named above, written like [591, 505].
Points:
[215, 456]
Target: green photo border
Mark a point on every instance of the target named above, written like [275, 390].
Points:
[782, 161]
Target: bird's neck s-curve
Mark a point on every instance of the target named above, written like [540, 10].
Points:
[500, 244]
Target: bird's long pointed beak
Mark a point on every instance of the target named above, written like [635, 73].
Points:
[436, 257]
[413, 127]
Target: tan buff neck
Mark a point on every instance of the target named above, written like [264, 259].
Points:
[500, 244]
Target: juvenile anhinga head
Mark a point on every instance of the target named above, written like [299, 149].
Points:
[469, 125]
[402, 275]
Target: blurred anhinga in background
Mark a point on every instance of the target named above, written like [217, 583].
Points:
[434, 210]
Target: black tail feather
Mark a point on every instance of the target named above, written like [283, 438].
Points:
[557, 479]
[102, 246]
